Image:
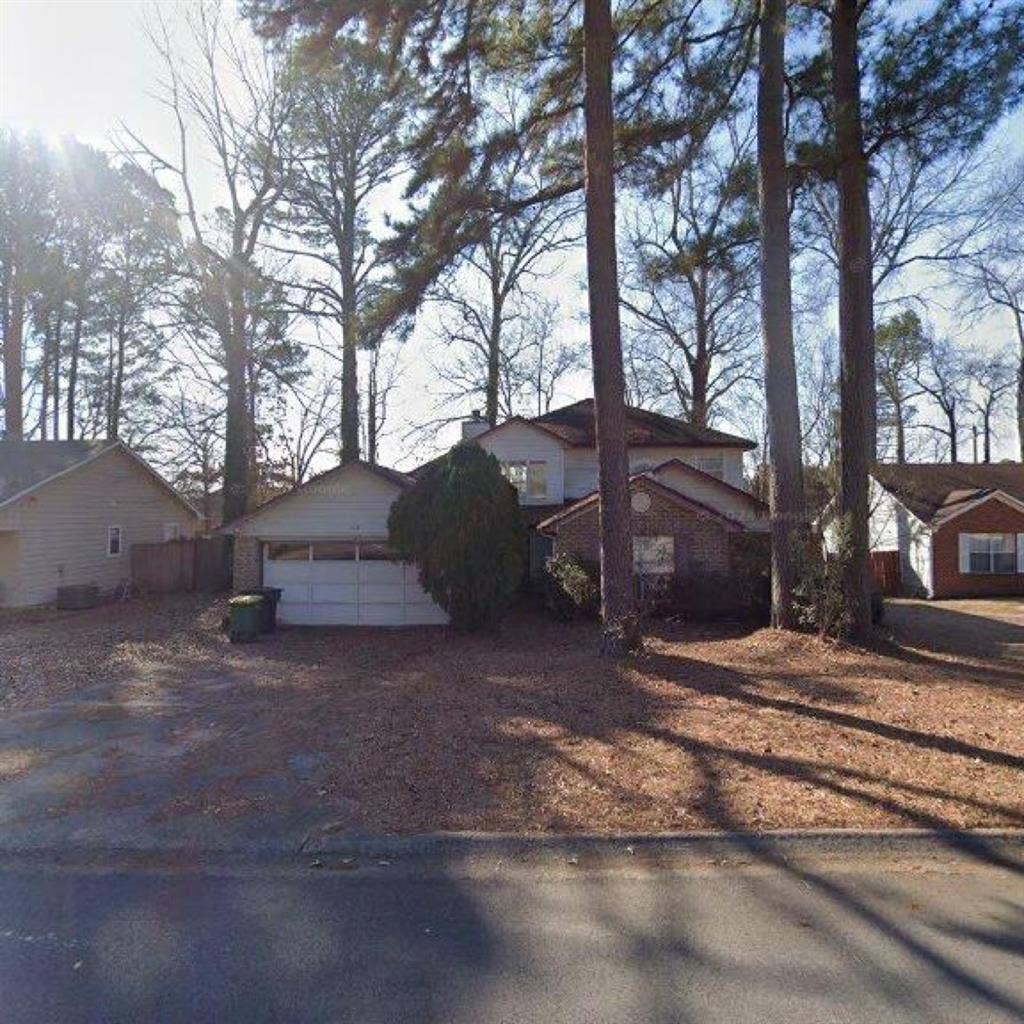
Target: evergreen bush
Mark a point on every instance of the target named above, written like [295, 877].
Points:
[460, 524]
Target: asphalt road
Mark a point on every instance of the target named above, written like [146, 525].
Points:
[254, 944]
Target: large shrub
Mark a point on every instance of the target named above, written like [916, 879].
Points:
[460, 524]
[572, 588]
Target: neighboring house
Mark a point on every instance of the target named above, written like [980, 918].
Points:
[69, 512]
[324, 542]
[958, 527]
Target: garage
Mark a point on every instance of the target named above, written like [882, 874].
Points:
[346, 582]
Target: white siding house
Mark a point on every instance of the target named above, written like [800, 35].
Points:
[77, 526]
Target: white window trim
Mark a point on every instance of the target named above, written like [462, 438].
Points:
[524, 494]
[666, 569]
[172, 531]
[120, 541]
[964, 554]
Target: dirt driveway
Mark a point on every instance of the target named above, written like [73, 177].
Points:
[138, 725]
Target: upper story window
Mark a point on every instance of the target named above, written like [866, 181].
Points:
[529, 478]
[115, 541]
[172, 531]
[988, 552]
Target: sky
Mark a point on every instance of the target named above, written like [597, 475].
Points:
[83, 67]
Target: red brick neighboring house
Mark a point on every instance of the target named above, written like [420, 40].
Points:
[958, 527]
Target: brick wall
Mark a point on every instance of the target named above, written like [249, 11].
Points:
[702, 541]
[247, 572]
[993, 516]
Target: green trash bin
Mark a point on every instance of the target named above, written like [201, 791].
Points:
[245, 617]
[268, 616]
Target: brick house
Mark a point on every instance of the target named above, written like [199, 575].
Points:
[958, 528]
[685, 526]
[325, 543]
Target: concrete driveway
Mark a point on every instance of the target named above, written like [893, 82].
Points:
[989, 628]
[108, 771]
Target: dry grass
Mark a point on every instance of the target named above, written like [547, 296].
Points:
[529, 730]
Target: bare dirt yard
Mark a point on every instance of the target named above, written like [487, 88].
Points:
[528, 729]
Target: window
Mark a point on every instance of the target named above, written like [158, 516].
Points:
[653, 556]
[530, 479]
[288, 552]
[713, 465]
[172, 531]
[988, 553]
[115, 541]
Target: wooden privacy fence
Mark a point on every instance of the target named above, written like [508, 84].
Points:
[885, 572]
[202, 563]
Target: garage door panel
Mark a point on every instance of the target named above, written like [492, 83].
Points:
[381, 593]
[278, 574]
[293, 614]
[293, 593]
[381, 572]
[333, 572]
[335, 593]
[334, 615]
[382, 615]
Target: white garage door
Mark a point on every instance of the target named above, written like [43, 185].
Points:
[346, 583]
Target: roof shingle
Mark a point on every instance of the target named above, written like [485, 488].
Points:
[928, 489]
[25, 464]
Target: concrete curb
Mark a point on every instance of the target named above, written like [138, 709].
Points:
[998, 846]
[481, 852]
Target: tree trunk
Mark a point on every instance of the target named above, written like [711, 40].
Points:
[954, 451]
[493, 360]
[617, 600]
[117, 383]
[72, 392]
[371, 411]
[856, 322]
[58, 331]
[237, 424]
[1019, 322]
[44, 380]
[987, 435]
[349, 359]
[14, 425]
[901, 433]
[786, 487]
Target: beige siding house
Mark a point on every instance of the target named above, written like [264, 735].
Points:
[70, 511]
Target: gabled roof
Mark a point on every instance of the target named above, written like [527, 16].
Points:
[646, 480]
[26, 466]
[392, 476]
[756, 503]
[939, 490]
[574, 424]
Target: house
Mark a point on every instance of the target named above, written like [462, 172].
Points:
[69, 511]
[324, 543]
[958, 527]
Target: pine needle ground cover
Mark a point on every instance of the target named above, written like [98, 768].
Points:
[527, 729]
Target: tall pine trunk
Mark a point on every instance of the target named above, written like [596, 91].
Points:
[237, 431]
[786, 485]
[72, 392]
[856, 319]
[618, 605]
[14, 425]
[1018, 319]
[349, 340]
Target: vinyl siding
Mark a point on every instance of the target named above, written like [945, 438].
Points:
[351, 502]
[518, 442]
[892, 527]
[709, 493]
[581, 465]
[63, 527]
